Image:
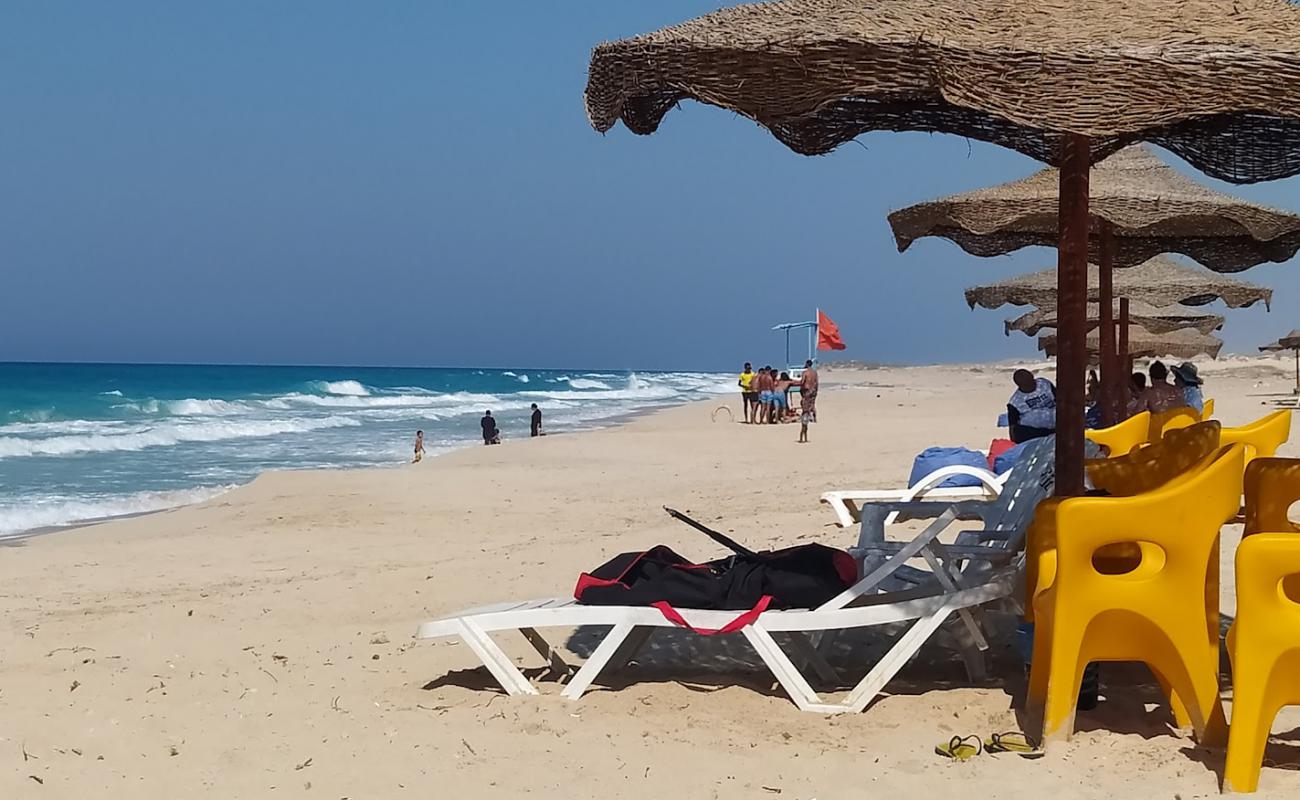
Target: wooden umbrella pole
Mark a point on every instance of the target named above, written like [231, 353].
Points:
[1124, 359]
[1071, 313]
[1297, 369]
[1107, 356]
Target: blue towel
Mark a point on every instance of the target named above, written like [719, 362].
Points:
[935, 457]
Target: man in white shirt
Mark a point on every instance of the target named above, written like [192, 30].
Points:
[1031, 411]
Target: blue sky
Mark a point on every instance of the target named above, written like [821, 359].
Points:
[416, 183]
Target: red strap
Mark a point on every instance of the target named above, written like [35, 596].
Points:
[744, 620]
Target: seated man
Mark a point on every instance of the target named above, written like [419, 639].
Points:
[1161, 395]
[1031, 412]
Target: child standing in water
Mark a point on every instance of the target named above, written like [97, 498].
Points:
[419, 446]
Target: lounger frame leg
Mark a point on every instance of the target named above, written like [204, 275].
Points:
[631, 646]
[784, 670]
[546, 651]
[597, 661]
[894, 660]
[810, 656]
[496, 661]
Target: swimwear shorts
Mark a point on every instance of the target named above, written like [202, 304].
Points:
[779, 399]
[750, 397]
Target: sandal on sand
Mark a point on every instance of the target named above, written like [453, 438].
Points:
[1012, 742]
[960, 748]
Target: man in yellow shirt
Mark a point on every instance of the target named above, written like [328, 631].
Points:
[748, 397]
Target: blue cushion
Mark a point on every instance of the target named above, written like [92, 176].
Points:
[1008, 459]
[935, 457]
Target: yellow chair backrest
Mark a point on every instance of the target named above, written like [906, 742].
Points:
[1120, 439]
[1146, 468]
[1154, 606]
[1170, 420]
[1272, 486]
[1207, 411]
[1263, 436]
[1264, 644]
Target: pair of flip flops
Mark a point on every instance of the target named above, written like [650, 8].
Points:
[964, 748]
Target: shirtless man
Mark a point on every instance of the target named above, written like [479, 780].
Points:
[808, 383]
[1161, 395]
[807, 389]
[764, 383]
[419, 445]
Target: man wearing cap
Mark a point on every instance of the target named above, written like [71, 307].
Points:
[1187, 381]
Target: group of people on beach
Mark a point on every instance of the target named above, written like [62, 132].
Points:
[765, 396]
[1031, 411]
[1160, 395]
[491, 433]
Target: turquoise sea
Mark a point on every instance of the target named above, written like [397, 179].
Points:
[85, 441]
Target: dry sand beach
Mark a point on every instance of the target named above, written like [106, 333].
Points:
[260, 645]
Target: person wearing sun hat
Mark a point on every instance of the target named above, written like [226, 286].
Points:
[1186, 379]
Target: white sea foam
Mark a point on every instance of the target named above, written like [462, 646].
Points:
[113, 393]
[587, 383]
[380, 401]
[347, 388]
[164, 435]
[640, 393]
[192, 407]
[510, 374]
[523, 379]
[26, 513]
[59, 426]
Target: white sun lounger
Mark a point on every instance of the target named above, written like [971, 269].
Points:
[847, 503]
[862, 605]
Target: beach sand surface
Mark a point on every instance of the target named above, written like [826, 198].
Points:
[260, 645]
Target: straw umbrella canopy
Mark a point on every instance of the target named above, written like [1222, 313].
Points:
[1140, 208]
[1152, 209]
[1065, 81]
[1147, 317]
[1289, 342]
[1178, 344]
[1219, 86]
[1158, 282]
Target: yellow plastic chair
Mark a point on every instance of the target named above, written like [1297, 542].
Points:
[1264, 645]
[1272, 486]
[1143, 470]
[1263, 436]
[1120, 439]
[1170, 420]
[1264, 642]
[1207, 410]
[1146, 468]
[1156, 612]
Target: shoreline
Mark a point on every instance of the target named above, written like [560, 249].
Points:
[19, 538]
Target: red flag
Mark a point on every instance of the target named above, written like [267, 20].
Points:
[828, 333]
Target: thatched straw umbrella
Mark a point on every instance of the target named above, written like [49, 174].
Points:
[1147, 317]
[1065, 81]
[1140, 208]
[1177, 344]
[1152, 209]
[1289, 342]
[1160, 281]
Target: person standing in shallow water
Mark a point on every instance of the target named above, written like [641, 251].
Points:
[535, 426]
[489, 425]
[419, 446]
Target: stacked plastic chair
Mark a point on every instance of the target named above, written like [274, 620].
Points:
[1264, 642]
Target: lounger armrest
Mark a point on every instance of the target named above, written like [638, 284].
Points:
[928, 509]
